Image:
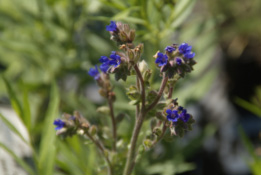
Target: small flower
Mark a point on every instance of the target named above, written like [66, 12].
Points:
[94, 72]
[178, 61]
[115, 59]
[103, 59]
[112, 27]
[189, 55]
[184, 116]
[170, 49]
[162, 59]
[59, 123]
[185, 48]
[172, 116]
[104, 67]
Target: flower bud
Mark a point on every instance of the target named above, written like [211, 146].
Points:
[93, 130]
[157, 131]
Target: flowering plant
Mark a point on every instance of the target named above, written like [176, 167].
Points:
[156, 105]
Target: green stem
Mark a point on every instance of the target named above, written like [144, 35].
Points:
[162, 87]
[102, 149]
[114, 125]
[138, 124]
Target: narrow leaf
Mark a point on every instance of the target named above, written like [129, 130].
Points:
[20, 161]
[47, 148]
[12, 127]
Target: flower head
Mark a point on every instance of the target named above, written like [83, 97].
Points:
[115, 59]
[94, 72]
[59, 123]
[162, 59]
[178, 61]
[184, 48]
[112, 27]
[189, 55]
[184, 116]
[172, 116]
[170, 49]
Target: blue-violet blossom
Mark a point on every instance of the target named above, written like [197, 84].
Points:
[185, 49]
[170, 49]
[112, 27]
[94, 72]
[59, 123]
[114, 60]
[162, 59]
[172, 115]
[178, 61]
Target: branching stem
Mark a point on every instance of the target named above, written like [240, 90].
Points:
[102, 149]
[138, 124]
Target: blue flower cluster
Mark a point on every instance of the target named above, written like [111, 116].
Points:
[59, 123]
[175, 115]
[185, 49]
[114, 60]
[178, 59]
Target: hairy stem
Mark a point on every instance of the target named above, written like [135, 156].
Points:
[114, 129]
[138, 105]
[162, 87]
[143, 99]
[138, 124]
[101, 148]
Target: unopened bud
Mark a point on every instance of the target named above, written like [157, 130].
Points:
[93, 130]
[143, 66]
[157, 131]
[132, 35]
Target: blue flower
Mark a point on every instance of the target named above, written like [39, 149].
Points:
[170, 49]
[103, 59]
[115, 59]
[189, 55]
[185, 48]
[172, 115]
[184, 116]
[162, 59]
[94, 72]
[104, 67]
[59, 123]
[178, 61]
[112, 27]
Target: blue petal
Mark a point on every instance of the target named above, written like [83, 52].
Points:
[168, 111]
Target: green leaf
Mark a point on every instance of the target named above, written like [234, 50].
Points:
[26, 109]
[19, 160]
[181, 12]
[12, 127]
[47, 145]
[14, 100]
[249, 106]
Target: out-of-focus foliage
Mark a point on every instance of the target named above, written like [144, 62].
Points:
[254, 106]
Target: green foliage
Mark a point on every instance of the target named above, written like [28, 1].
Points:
[255, 163]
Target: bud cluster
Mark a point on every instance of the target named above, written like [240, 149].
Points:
[70, 125]
[177, 60]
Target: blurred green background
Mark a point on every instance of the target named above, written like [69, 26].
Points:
[47, 47]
